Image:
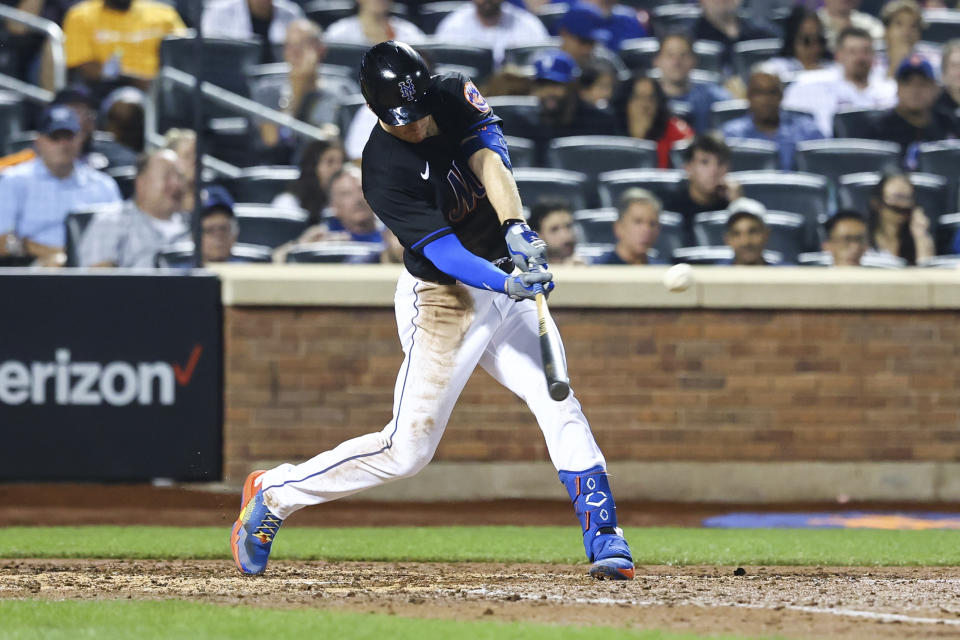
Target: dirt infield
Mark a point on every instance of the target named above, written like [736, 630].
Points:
[790, 602]
[783, 601]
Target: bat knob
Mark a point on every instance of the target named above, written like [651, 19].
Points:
[559, 390]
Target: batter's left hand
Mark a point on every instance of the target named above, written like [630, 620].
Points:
[527, 249]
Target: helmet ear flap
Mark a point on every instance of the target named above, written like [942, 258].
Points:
[395, 80]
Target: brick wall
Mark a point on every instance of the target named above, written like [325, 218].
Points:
[697, 385]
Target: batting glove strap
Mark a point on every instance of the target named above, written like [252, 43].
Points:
[527, 250]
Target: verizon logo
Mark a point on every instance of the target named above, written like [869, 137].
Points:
[117, 383]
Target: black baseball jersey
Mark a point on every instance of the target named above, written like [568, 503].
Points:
[425, 191]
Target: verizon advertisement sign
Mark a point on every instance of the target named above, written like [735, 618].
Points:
[110, 377]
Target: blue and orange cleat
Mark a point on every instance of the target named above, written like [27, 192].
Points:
[254, 530]
[612, 557]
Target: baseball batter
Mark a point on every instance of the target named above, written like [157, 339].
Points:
[436, 170]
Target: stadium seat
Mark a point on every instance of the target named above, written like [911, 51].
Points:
[224, 60]
[267, 226]
[260, 184]
[668, 18]
[662, 182]
[940, 25]
[804, 193]
[523, 54]
[943, 159]
[835, 157]
[348, 110]
[671, 236]
[931, 192]
[745, 154]
[638, 54]
[180, 255]
[431, 13]
[593, 155]
[596, 225]
[76, 223]
[854, 123]
[590, 252]
[550, 14]
[534, 184]
[124, 176]
[345, 54]
[522, 151]
[516, 110]
[11, 124]
[469, 57]
[336, 252]
[945, 231]
[20, 140]
[335, 78]
[748, 53]
[786, 231]
[326, 12]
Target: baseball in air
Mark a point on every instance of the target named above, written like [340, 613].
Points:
[679, 277]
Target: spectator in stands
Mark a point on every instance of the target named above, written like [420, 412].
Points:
[948, 104]
[562, 112]
[28, 44]
[721, 23]
[183, 142]
[580, 29]
[838, 15]
[492, 23]
[218, 225]
[898, 226]
[149, 222]
[824, 93]
[746, 232]
[301, 95]
[99, 152]
[598, 80]
[707, 161]
[804, 46]
[645, 113]
[37, 195]
[636, 229]
[321, 160]
[616, 22]
[913, 119]
[123, 115]
[766, 121]
[553, 222]
[903, 22]
[353, 220]
[675, 60]
[118, 41]
[264, 20]
[847, 238]
[372, 24]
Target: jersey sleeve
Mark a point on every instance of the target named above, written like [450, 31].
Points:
[462, 107]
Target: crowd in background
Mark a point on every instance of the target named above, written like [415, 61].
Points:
[633, 71]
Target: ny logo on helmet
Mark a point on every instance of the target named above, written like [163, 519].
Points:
[407, 90]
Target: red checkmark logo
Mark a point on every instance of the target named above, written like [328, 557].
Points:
[184, 374]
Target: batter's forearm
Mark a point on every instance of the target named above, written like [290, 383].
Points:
[499, 183]
[450, 256]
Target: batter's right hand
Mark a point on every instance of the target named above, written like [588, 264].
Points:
[527, 285]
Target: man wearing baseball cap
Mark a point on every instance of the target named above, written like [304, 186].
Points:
[602, 21]
[218, 224]
[913, 119]
[562, 112]
[37, 195]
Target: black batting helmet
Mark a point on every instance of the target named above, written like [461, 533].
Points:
[394, 80]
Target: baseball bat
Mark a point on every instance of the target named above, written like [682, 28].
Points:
[554, 366]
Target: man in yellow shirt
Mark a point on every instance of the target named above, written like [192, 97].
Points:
[110, 40]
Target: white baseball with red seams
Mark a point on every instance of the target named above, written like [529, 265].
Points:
[445, 332]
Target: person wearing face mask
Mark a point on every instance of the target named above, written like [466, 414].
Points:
[132, 235]
[118, 41]
[897, 225]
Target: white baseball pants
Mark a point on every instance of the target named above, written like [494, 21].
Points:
[445, 331]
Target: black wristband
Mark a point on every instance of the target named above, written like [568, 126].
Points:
[507, 223]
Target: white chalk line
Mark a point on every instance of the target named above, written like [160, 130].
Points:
[850, 613]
